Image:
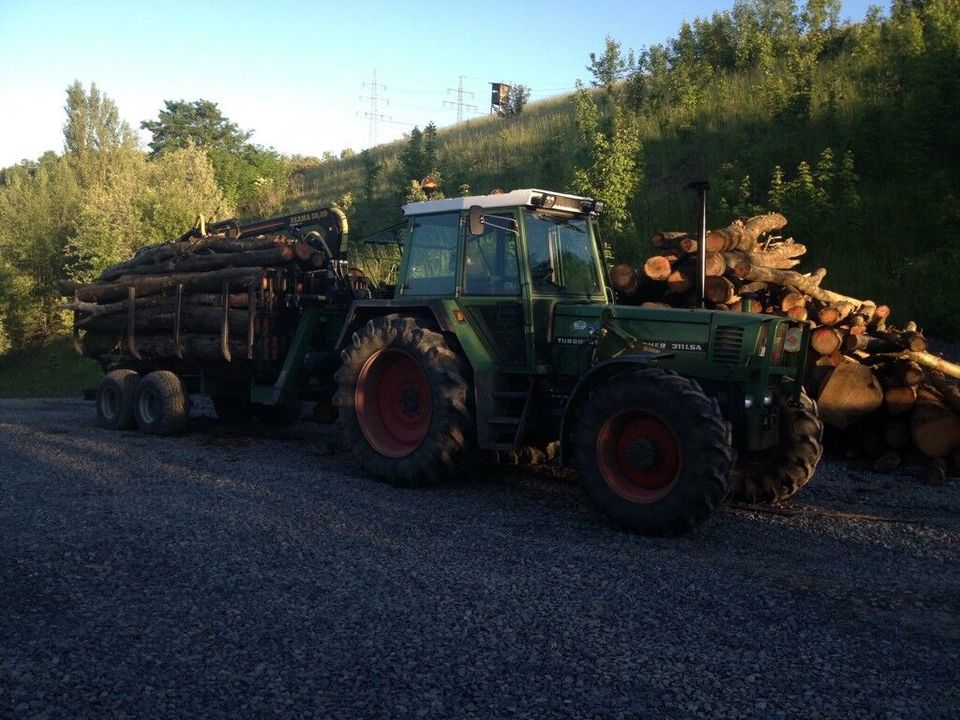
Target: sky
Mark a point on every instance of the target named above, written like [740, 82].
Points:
[302, 74]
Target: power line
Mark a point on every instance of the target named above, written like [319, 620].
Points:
[459, 103]
[374, 115]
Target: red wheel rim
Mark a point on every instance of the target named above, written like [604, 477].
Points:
[394, 403]
[638, 455]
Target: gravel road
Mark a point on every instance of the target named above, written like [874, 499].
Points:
[234, 573]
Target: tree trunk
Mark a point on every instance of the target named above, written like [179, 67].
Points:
[927, 360]
[193, 319]
[900, 399]
[740, 235]
[934, 428]
[149, 285]
[658, 268]
[851, 393]
[807, 284]
[192, 346]
[826, 340]
[719, 290]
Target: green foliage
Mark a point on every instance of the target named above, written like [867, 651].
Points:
[38, 212]
[73, 215]
[611, 139]
[519, 97]
[200, 123]
[253, 179]
[53, 369]
[785, 83]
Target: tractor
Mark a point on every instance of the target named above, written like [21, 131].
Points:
[501, 332]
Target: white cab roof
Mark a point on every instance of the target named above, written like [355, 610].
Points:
[513, 198]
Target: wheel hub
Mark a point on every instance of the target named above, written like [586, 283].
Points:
[394, 403]
[639, 455]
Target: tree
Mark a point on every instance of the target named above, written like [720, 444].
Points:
[611, 141]
[93, 122]
[254, 179]
[200, 122]
[517, 101]
[94, 137]
[371, 172]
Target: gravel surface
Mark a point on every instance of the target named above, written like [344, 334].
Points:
[234, 573]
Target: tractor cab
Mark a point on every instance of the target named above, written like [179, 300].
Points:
[505, 261]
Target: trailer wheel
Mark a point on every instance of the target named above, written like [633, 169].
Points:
[402, 402]
[115, 396]
[160, 405]
[779, 475]
[652, 452]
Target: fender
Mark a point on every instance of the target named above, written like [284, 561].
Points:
[362, 311]
[598, 374]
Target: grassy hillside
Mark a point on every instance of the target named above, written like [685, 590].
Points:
[51, 370]
[871, 104]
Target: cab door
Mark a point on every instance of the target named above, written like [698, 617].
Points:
[490, 288]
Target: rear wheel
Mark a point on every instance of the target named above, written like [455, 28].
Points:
[115, 397]
[402, 402]
[652, 452]
[790, 466]
[161, 405]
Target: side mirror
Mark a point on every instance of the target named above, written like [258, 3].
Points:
[475, 218]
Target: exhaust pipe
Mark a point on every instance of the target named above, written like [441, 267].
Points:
[701, 187]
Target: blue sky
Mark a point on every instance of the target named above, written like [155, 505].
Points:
[295, 71]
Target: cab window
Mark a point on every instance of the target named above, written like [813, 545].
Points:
[562, 258]
[432, 255]
[490, 260]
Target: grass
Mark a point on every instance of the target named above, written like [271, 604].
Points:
[50, 370]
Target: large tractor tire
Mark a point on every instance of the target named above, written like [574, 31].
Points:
[653, 452]
[115, 397]
[161, 406]
[778, 475]
[402, 402]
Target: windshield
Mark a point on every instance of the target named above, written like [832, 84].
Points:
[562, 256]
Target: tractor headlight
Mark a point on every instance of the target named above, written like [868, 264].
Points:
[768, 398]
[747, 402]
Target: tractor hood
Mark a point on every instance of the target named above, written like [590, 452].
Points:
[731, 340]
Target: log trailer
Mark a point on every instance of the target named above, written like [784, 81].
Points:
[500, 332]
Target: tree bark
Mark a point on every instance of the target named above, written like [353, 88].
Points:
[850, 393]
[809, 285]
[740, 235]
[149, 285]
[927, 360]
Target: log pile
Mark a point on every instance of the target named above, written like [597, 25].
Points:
[879, 389]
[207, 298]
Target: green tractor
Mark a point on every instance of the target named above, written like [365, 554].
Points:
[501, 332]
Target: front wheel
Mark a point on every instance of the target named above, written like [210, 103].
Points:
[652, 452]
[402, 402]
[781, 473]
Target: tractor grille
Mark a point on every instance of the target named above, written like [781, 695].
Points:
[726, 345]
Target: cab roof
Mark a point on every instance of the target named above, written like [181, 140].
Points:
[530, 197]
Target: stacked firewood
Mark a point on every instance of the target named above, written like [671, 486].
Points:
[879, 390]
[195, 298]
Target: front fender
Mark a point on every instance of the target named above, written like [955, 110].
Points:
[599, 373]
